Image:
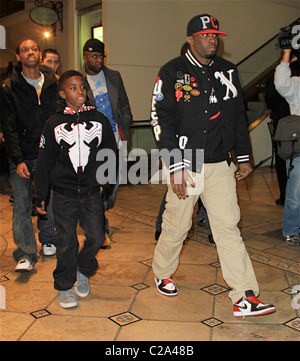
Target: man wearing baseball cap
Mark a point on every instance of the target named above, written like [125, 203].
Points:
[198, 115]
[106, 91]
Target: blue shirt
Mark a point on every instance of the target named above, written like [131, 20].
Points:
[99, 89]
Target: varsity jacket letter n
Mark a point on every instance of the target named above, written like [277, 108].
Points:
[227, 82]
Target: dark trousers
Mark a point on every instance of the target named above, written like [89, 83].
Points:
[281, 176]
[68, 211]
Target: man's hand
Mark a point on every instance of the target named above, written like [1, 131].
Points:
[22, 170]
[286, 57]
[41, 210]
[179, 183]
[2, 141]
[244, 170]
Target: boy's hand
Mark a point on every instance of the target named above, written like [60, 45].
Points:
[41, 210]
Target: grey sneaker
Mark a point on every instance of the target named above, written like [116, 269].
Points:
[293, 240]
[82, 286]
[67, 299]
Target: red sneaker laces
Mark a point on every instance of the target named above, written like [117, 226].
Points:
[253, 299]
[167, 281]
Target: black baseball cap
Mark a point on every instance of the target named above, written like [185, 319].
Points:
[203, 24]
[94, 45]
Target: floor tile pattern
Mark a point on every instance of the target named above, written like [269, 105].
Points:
[124, 305]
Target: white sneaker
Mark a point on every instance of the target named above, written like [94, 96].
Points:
[24, 265]
[49, 249]
[166, 286]
[251, 306]
[293, 240]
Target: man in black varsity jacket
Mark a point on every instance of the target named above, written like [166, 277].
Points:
[198, 117]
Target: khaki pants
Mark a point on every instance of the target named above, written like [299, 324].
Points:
[220, 200]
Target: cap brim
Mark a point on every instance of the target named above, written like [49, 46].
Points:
[210, 31]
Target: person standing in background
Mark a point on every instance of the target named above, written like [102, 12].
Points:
[51, 58]
[106, 91]
[288, 86]
[29, 99]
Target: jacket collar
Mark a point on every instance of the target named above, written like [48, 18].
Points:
[83, 108]
[83, 72]
[17, 76]
[192, 59]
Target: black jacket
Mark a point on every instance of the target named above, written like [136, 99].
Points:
[23, 118]
[68, 157]
[199, 107]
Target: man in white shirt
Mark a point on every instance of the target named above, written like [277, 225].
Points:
[288, 86]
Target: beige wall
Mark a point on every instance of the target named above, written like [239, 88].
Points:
[141, 35]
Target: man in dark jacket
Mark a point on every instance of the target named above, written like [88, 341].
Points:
[106, 91]
[198, 117]
[29, 99]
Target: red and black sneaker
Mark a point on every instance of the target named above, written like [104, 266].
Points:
[251, 306]
[166, 286]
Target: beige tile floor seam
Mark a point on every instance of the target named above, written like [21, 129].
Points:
[124, 304]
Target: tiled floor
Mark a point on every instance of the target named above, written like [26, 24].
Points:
[124, 304]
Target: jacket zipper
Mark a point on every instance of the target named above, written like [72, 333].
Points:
[79, 153]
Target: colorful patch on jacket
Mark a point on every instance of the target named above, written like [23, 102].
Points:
[185, 86]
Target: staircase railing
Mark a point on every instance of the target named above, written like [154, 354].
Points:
[258, 67]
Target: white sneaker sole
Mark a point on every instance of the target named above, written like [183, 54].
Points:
[80, 294]
[69, 304]
[254, 313]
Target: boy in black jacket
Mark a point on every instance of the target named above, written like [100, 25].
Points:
[68, 161]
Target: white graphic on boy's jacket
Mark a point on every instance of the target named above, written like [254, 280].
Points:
[79, 137]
